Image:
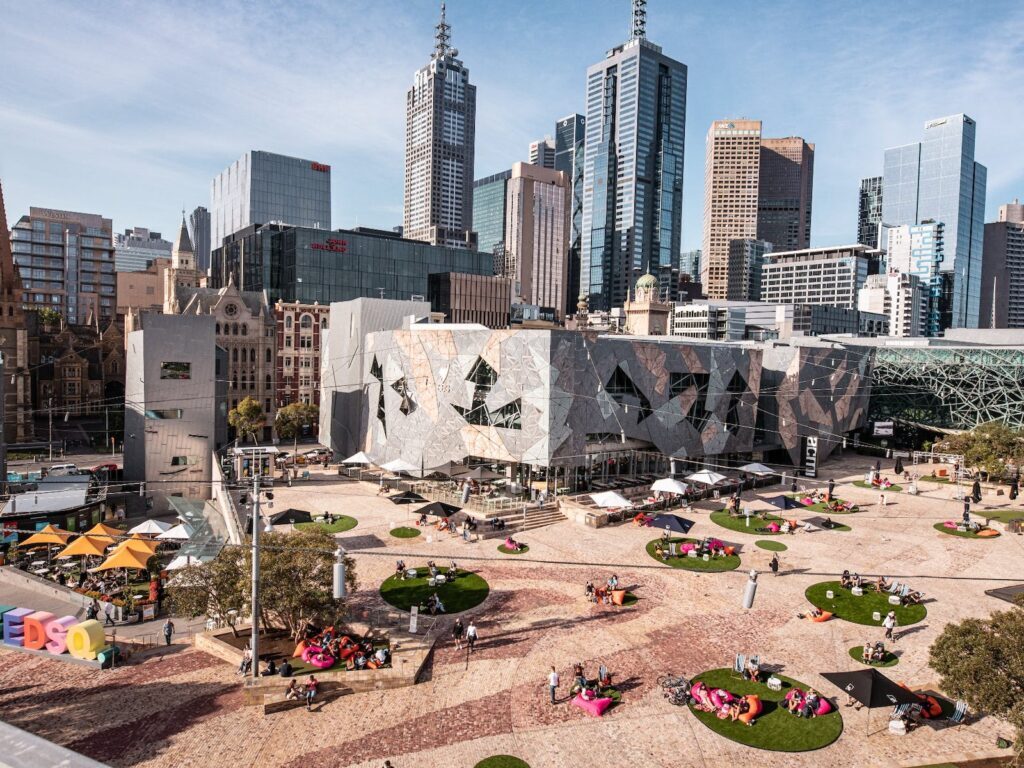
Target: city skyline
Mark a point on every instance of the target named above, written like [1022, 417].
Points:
[140, 159]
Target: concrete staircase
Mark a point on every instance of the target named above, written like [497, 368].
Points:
[517, 522]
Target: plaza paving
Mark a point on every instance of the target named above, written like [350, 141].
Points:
[185, 708]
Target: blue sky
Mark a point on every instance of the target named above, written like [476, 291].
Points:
[129, 109]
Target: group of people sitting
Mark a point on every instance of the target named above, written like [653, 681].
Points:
[589, 689]
[357, 654]
[725, 704]
[512, 545]
[709, 546]
[807, 704]
[497, 524]
[879, 482]
[903, 591]
[602, 595]
[873, 653]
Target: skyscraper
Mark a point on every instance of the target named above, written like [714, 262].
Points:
[920, 250]
[784, 193]
[440, 135]
[199, 228]
[1002, 287]
[633, 167]
[938, 179]
[570, 143]
[869, 215]
[732, 168]
[489, 197]
[542, 152]
[261, 187]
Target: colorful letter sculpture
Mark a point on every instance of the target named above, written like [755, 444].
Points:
[41, 630]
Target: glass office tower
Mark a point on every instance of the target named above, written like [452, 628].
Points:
[489, 213]
[633, 169]
[938, 180]
[570, 141]
[869, 215]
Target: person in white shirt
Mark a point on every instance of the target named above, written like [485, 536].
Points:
[553, 683]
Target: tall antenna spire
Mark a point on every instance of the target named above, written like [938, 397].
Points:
[639, 20]
[442, 37]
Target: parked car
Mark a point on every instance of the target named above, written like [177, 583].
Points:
[317, 454]
[63, 469]
[105, 468]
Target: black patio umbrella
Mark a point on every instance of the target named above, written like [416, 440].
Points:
[291, 516]
[976, 491]
[899, 466]
[438, 509]
[406, 498]
[871, 688]
[822, 522]
[783, 502]
[672, 523]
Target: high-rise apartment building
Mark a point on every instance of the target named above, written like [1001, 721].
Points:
[869, 215]
[1002, 288]
[784, 193]
[261, 187]
[440, 136]
[570, 144]
[542, 152]
[746, 261]
[937, 179]
[537, 236]
[919, 250]
[732, 166]
[831, 275]
[66, 261]
[489, 196]
[199, 229]
[1012, 212]
[137, 248]
[633, 167]
[900, 297]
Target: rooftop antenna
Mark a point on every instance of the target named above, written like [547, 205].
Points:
[442, 37]
[639, 20]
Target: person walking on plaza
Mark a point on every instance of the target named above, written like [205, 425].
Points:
[881, 499]
[889, 622]
[311, 685]
[831, 488]
[93, 610]
[458, 632]
[108, 614]
[168, 631]
[553, 683]
[774, 565]
[471, 636]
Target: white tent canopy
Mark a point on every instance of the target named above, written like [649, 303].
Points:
[757, 469]
[610, 499]
[151, 527]
[669, 485]
[180, 532]
[181, 561]
[706, 477]
[358, 458]
[399, 465]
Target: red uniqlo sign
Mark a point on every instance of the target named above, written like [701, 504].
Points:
[320, 167]
[338, 246]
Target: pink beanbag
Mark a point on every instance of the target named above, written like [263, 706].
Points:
[824, 707]
[720, 697]
[685, 546]
[594, 707]
[949, 524]
[773, 527]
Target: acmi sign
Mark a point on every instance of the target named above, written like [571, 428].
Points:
[811, 457]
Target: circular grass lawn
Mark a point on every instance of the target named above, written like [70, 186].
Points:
[820, 506]
[712, 565]
[893, 488]
[523, 549]
[775, 729]
[858, 610]
[739, 524]
[962, 534]
[502, 761]
[891, 659]
[405, 532]
[771, 546]
[466, 591]
[341, 524]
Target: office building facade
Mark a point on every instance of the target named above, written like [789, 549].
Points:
[489, 199]
[440, 140]
[463, 298]
[633, 168]
[785, 191]
[310, 265]
[542, 152]
[137, 248]
[900, 297]
[199, 229]
[732, 164]
[66, 262]
[261, 187]
[570, 147]
[919, 250]
[746, 261]
[831, 275]
[300, 333]
[537, 232]
[869, 212]
[1002, 289]
[937, 179]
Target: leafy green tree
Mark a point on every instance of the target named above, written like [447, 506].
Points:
[247, 418]
[990, 447]
[218, 589]
[49, 316]
[981, 661]
[292, 418]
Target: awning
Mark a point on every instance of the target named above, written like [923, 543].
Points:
[124, 558]
[151, 527]
[758, 469]
[292, 516]
[706, 477]
[85, 546]
[478, 474]
[871, 688]
[358, 458]
[180, 532]
[137, 544]
[400, 465]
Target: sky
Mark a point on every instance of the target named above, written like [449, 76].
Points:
[129, 109]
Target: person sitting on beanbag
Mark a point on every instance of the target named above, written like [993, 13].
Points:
[739, 707]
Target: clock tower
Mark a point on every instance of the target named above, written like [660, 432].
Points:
[182, 273]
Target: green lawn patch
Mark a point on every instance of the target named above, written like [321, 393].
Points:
[502, 761]
[466, 591]
[821, 506]
[404, 532]
[523, 549]
[859, 610]
[340, 525]
[739, 524]
[870, 487]
[771, 546]
[857, 654]
[775, 729]
[930, 479]
[941, 528]
[712, 565]
[999, 515]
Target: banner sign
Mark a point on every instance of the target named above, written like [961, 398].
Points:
[883, 429]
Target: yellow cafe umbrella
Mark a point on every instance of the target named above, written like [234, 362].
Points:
[139, 544]
[47, 536]
[124, 558]
[104, 533]
[84, 545]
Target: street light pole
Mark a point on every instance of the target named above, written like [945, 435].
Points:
[50, 409]
[255, 574]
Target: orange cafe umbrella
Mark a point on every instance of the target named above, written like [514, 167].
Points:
[124, 558]
[139, 544]
[47, 536]
[104, 533]
[84, 545]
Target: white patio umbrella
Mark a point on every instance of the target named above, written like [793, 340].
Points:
[180, 532]
[610, 499]
[181, 561]
[358, 458]
[151, 527]
[669, 485]
[757, 469]
[706, 477]
[399, 465]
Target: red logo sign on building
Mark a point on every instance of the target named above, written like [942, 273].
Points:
[332, 244]
[322, 167]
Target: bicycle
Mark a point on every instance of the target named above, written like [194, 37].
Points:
[678, 696]
[672, 681]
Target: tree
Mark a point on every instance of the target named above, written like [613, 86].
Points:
[218, 589]
[982, 662]
[292, 418]
[990, 447]
[49, 316]
[247, 417]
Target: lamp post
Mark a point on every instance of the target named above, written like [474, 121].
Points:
[50, 411]
[254, 632]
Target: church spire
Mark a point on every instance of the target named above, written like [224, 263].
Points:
[442, 37]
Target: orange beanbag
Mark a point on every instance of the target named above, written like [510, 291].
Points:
[618, 595]
[299, 649]
[988, 532]
[755, 709]
[730, 551]
[825, 616]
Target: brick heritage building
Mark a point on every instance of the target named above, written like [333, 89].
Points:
[300, 328]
